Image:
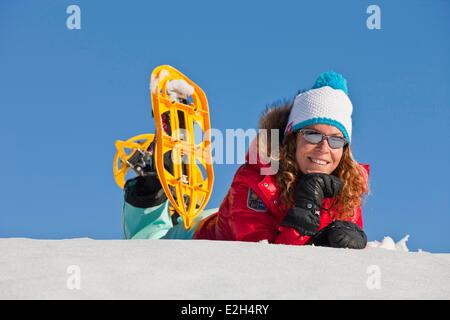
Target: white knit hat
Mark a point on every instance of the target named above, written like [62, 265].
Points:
[326, 103]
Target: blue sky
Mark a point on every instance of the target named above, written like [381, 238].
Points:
[67, 95]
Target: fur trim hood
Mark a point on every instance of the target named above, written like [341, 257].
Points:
[276, 117]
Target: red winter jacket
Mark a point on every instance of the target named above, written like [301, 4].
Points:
[252, 210]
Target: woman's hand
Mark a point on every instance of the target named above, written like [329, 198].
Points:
[313, 187]
[341, 234]
[309, 193]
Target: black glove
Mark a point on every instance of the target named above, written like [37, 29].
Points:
[341, 234]
[309, 193]
[144, 191]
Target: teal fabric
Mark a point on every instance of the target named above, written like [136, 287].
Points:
[146, 223]
[333, 80]
[155, 223]
[179, 231]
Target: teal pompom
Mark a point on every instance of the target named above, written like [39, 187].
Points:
[331, 79]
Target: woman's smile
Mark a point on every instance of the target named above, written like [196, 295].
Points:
[318, 161]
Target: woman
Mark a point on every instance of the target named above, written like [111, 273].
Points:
[314, 198]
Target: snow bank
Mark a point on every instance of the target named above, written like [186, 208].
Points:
[389, 244]
[181, 269]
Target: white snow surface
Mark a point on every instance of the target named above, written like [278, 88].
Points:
[201, 269]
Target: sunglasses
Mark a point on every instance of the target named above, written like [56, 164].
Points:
[315, 137]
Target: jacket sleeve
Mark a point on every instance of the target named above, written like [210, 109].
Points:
[248, 222]
[357, 217]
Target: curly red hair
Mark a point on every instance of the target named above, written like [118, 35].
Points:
[353, 176]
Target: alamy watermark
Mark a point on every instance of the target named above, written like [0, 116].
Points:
[73, 21]
[74, 279]
[373, 22]
[374, 280]
[263, 147]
